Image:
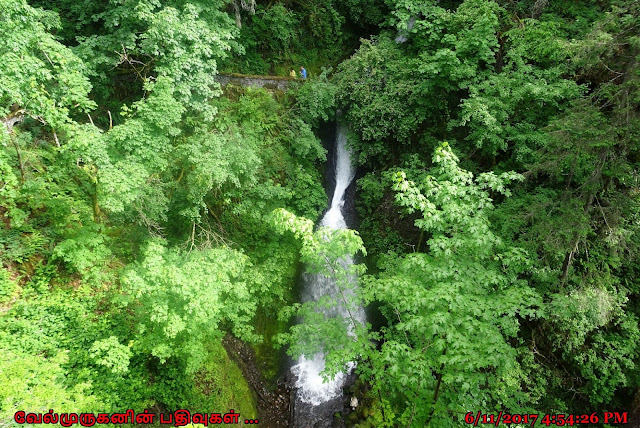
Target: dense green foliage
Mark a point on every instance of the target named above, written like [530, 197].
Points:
[136, 208]
[146, 212]
[522, 300]
[280, 35]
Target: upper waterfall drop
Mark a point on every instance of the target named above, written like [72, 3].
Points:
[345, 173]
[311, 387]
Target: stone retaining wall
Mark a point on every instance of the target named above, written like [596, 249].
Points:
[267, 82]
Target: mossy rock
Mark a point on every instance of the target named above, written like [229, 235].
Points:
[220, 386]
[269, 359]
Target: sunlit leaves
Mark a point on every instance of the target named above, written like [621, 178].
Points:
[33, 382]
[323, 328]
[186, 48]
[182, 300]
[112, 354]
[182, 42]
[452, 309]
[37, 73]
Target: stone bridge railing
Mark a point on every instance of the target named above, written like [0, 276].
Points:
[267, 82]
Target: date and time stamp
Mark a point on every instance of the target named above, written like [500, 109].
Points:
[547, 420]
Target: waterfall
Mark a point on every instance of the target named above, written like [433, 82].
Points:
[311, 387]
[403, 35]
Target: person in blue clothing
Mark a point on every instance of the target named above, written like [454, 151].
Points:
[303, 73]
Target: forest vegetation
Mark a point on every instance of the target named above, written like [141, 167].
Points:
[146, 212]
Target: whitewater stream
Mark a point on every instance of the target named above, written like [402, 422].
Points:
[317, 401]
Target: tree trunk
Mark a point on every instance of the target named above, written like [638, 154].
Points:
[97, 213]
[538, 8]
[18, 153]
[568, 259]
[9, 121]
[437, 391]
[236, 10]
[634, 413]
[595, 178]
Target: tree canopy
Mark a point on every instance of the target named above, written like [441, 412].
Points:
[148, 213]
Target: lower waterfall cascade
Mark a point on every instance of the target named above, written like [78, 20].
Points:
[312, 390]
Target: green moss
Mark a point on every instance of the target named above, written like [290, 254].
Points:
[268, 358]
[219, 386]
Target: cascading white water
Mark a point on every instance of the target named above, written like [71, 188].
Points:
[403, 35]
[311, 387]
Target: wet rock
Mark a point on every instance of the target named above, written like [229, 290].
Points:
[274, 407]
[330, 414]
